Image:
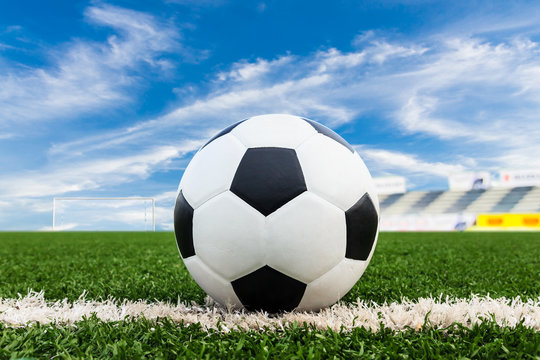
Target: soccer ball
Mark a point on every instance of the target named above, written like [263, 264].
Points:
[276, 213]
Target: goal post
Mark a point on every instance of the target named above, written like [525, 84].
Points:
[112, 208]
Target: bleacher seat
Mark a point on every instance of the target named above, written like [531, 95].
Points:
[510, 200]
[387, 200]
[464, 201]
[494, 200]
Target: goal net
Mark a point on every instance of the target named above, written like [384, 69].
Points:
[104, 214]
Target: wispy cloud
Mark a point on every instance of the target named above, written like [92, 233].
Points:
[88, 76]
[416, 116]
[325, 86]
[447, 90]
[245, 70]
[408, 164]
[90, 174]
[4, 136]
[75, 214]
[33, 191]
[61, 227]
[454, 100]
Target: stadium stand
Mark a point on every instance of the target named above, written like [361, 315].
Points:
[486, 201]
[507, 203]
[495, 200]
[529, 203]
[403, 204]
[465, 200]
[388, 200]
[442, 203]
[428, 198]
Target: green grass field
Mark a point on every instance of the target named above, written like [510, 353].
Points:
[147, 266]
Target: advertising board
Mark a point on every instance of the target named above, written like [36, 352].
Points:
[390, 185]
[519, 177]
[469, 181]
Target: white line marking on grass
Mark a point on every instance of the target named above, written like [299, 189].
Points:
[440, 313]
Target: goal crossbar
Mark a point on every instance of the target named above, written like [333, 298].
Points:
[105, 198]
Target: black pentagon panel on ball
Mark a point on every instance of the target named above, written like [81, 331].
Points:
[183, 226]
[269, 290]
[267, 178]
[331, 134]
[223, 132]
[362, 222]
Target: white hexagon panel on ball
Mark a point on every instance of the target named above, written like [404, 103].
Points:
[274, 130]
[211, 170]
[306, 228]
[228, 236]
[276, 213]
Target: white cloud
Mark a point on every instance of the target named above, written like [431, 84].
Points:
[102, 214]
[244, 70]
[5, 136]
[167, 196]
[6, 46]
[517, 17]
[415, 116]
[385, 160]
[88, 76]
[362, 38]
[384, 51]
[33, 191]
[89, 175]
[164, 217]
[116, 214]
[143, 38]
[334, 59]
[468, 98]
[476, 91]
[446, 89]
[62, 227]
[325, 86]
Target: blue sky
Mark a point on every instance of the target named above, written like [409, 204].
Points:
[113, 98]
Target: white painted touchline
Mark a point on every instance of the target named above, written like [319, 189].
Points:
[440, 312]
